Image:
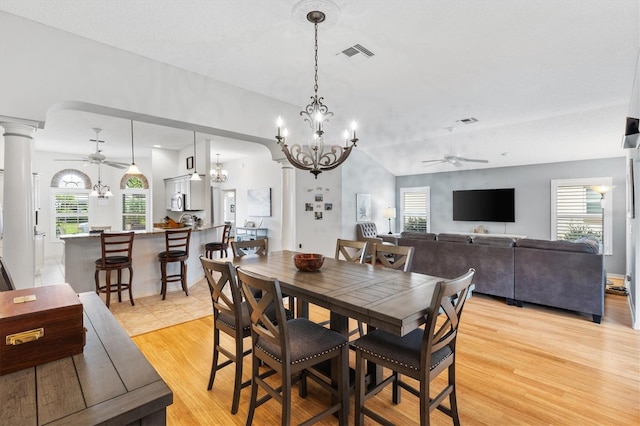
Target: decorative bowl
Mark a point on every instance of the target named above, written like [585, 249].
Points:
[308, 262]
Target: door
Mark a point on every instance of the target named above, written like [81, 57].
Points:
[229, 208]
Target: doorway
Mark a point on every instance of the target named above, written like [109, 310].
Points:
[229, 208]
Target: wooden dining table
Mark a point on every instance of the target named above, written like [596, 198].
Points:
[383, 298]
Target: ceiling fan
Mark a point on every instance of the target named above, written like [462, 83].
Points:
[454, 159]
[97, 157]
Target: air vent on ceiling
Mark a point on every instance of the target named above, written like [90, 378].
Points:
[355, 49]
[467, 120]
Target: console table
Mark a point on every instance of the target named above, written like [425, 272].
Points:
[111, 382]
[244, 234]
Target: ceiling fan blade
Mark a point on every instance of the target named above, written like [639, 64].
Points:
[433, 161]
[115, 164]
[71, 159]
[472, 160]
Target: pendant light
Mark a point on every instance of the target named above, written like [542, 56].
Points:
[317, 157]
[133, 169]
[195, 175]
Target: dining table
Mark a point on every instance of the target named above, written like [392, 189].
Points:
[383, 298]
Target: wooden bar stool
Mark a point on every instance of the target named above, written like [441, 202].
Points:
[176, 250]
[116, 256]
[220, 246]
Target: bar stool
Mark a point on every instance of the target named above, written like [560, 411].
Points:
[116, 256]
[176, 250]
[220, 246]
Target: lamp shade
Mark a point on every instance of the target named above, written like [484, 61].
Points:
[389, 213]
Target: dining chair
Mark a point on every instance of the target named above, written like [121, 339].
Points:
[116, 249]
[242, 248]
[393, 257]
[6, 283]
[231, 316]
[351, 251]
[176, 250]
[290, 348]
[423, 355]
[221, 245]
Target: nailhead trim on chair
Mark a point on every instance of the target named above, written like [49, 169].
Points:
[376, 355]
[335, 348]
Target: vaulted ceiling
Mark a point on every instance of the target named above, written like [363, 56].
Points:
[546, 80]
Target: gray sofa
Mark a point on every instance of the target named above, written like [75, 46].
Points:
[559, 274]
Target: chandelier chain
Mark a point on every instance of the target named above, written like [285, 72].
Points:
[315, 87]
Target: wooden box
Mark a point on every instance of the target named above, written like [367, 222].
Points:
[39, 325]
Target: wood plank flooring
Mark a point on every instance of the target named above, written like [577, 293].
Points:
[515, 366]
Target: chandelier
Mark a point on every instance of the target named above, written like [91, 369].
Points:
[317, 157]
[100, 190]
[218, 175]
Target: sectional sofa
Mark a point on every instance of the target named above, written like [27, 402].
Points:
[560, 274]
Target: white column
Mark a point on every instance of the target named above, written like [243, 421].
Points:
[19, 243]
[288, 206]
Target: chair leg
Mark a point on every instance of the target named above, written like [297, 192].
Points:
[97, 278]
[120, 285]
[395, 393]
[254, 389]
[130, 286]
[214, 362]
[360, 389]
[286, 398]
[453, 402]
[163, 271]
[183, 276]
[108, 287]
[238, 379]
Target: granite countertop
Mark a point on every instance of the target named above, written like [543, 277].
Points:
[154, 231]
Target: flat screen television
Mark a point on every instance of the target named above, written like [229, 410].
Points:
[485, 205]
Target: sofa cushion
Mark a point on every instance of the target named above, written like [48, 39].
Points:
[493, 241]
[454, 238]
[585, 247]
[418, 235]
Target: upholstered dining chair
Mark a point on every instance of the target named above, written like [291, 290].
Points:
[289, 348]
[421, 355]
[116, 255]
[242, 248]
[220, 246]
[6, 283]
[231, 316]
[351, 251]
[393, 257]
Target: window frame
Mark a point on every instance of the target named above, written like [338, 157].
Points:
[54, 216]
[607, 226]
[147, 213]
[427, 214]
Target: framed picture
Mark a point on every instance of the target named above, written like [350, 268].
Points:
[189, 163]
[259, 202]
[363, 207]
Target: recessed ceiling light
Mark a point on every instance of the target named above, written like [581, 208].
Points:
[157, 146]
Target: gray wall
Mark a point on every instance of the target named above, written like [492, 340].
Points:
[533, 198]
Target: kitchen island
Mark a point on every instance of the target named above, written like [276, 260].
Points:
[82, 250]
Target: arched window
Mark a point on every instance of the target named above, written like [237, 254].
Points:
[70, 202]
[72, 179]
[135, 202]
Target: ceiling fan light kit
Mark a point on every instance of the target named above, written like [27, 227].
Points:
[316, 158]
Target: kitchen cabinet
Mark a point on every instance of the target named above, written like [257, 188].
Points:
[194, 191]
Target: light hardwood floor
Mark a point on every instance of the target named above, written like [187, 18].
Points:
[515, 366]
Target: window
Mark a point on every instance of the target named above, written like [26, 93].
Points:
[577, 210]
[415, 209]
[134, 204]
[71, 211]
[70, 200]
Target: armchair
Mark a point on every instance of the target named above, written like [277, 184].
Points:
[368, 231]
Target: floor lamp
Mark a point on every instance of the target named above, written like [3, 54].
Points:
[389, 213]
[603, 190]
